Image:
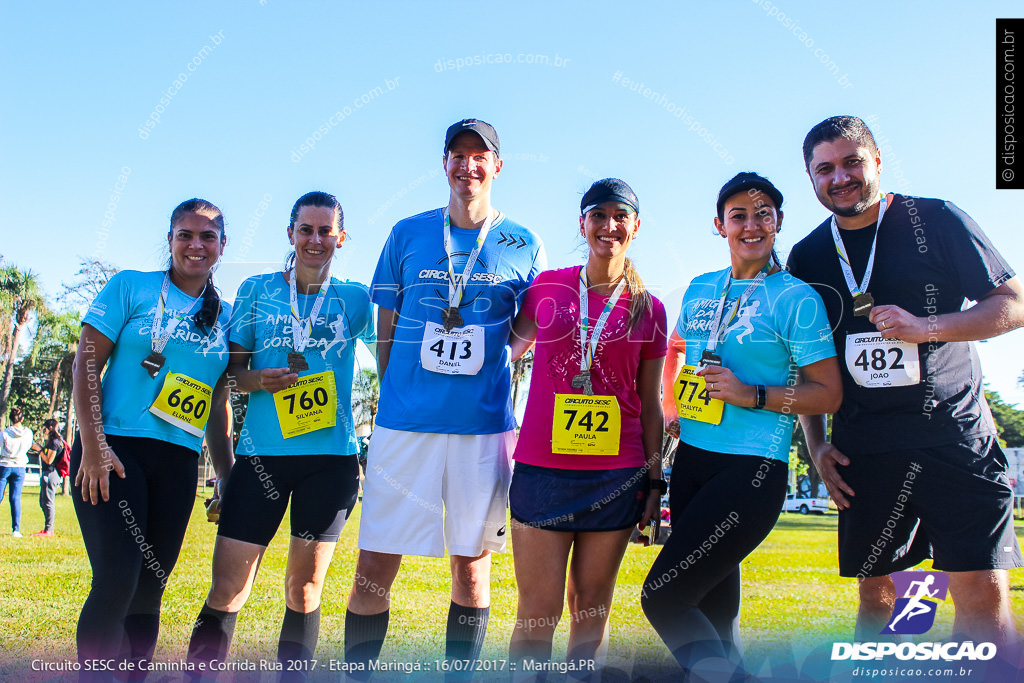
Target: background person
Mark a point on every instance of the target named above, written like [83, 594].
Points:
[448, 283]
[585, 496]
[135, 460]
[15, 442]
[50, 453]
[293, 337]
[736, 397]
[914, 451]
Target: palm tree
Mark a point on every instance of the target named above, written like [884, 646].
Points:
[365, 394]
[20, 295]
[54, 347]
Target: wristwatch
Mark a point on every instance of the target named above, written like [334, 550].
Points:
[659, 485]
[762, 396]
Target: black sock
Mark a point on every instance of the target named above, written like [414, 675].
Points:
[299, 634]
[211, 635]
[140, 635]
[364, 638]
[467, 627]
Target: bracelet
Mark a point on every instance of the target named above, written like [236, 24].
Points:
[659, 485]
[762, 397]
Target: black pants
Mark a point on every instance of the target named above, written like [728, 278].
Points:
[133, 540]
[723, 506]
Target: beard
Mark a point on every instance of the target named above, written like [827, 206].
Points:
[869, 194]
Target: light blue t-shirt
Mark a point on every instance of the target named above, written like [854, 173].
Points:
[412, 279]
[781, 326]
[123, 313]
[261, 322]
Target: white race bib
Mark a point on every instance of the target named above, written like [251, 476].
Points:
[459, 352]
[876, 362]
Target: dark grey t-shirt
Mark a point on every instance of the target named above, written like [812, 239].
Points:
[930, 257]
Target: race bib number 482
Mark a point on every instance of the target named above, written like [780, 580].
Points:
[875, 362]
[586, 425]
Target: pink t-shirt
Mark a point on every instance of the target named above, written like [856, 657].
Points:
[553, 301]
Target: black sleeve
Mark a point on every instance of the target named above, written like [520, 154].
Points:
[979, 268]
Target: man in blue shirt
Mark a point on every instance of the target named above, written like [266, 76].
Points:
[448, 285]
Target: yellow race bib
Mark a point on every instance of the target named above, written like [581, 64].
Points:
[184, 402]
[308, 405]
[586, 425]
[692, 399]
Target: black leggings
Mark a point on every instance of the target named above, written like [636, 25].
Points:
[133, 541]
[722, 506]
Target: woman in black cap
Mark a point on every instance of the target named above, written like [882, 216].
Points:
[758, 350]
[588, 465]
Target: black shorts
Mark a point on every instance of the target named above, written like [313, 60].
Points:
[953, 503]
[322, 489]
[577, 500]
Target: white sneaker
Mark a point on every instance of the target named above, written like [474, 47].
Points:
[16, 534]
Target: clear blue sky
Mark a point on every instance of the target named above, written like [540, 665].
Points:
[81, 80]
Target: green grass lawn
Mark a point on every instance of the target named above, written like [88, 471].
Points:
[791, 593]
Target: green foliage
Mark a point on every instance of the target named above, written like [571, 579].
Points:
[1009, 420]
[30, 392]
[365, 394]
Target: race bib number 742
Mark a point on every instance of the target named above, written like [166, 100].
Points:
[586, 425]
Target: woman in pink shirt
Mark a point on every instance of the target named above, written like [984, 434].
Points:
[588, 461]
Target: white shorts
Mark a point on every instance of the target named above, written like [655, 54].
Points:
[427, 492]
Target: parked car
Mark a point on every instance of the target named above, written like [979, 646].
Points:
[804, 505]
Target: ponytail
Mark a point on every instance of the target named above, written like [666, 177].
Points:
[640, 299]
[206, 316]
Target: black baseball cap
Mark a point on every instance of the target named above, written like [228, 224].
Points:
[748, 180]
[482, 128]
[609, 190]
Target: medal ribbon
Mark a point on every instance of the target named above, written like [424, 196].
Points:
[716, 322]
[457, 285]
[302, 329]
[587, 350]
[158, 334]
[844, 259]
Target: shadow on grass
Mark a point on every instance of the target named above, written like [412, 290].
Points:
[797, 522]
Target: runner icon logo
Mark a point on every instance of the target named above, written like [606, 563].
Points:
[917, 599]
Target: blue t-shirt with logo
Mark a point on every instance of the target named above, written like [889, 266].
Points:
[123, 313]
[782, 326]
[412, 279]
[261, 322]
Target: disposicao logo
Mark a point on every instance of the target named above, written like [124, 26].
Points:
[918, 599]
[913, 614]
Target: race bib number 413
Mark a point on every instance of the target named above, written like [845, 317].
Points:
[459, 352]
[308, 405]
[875, 362]
[184, 402]
[586, 425]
